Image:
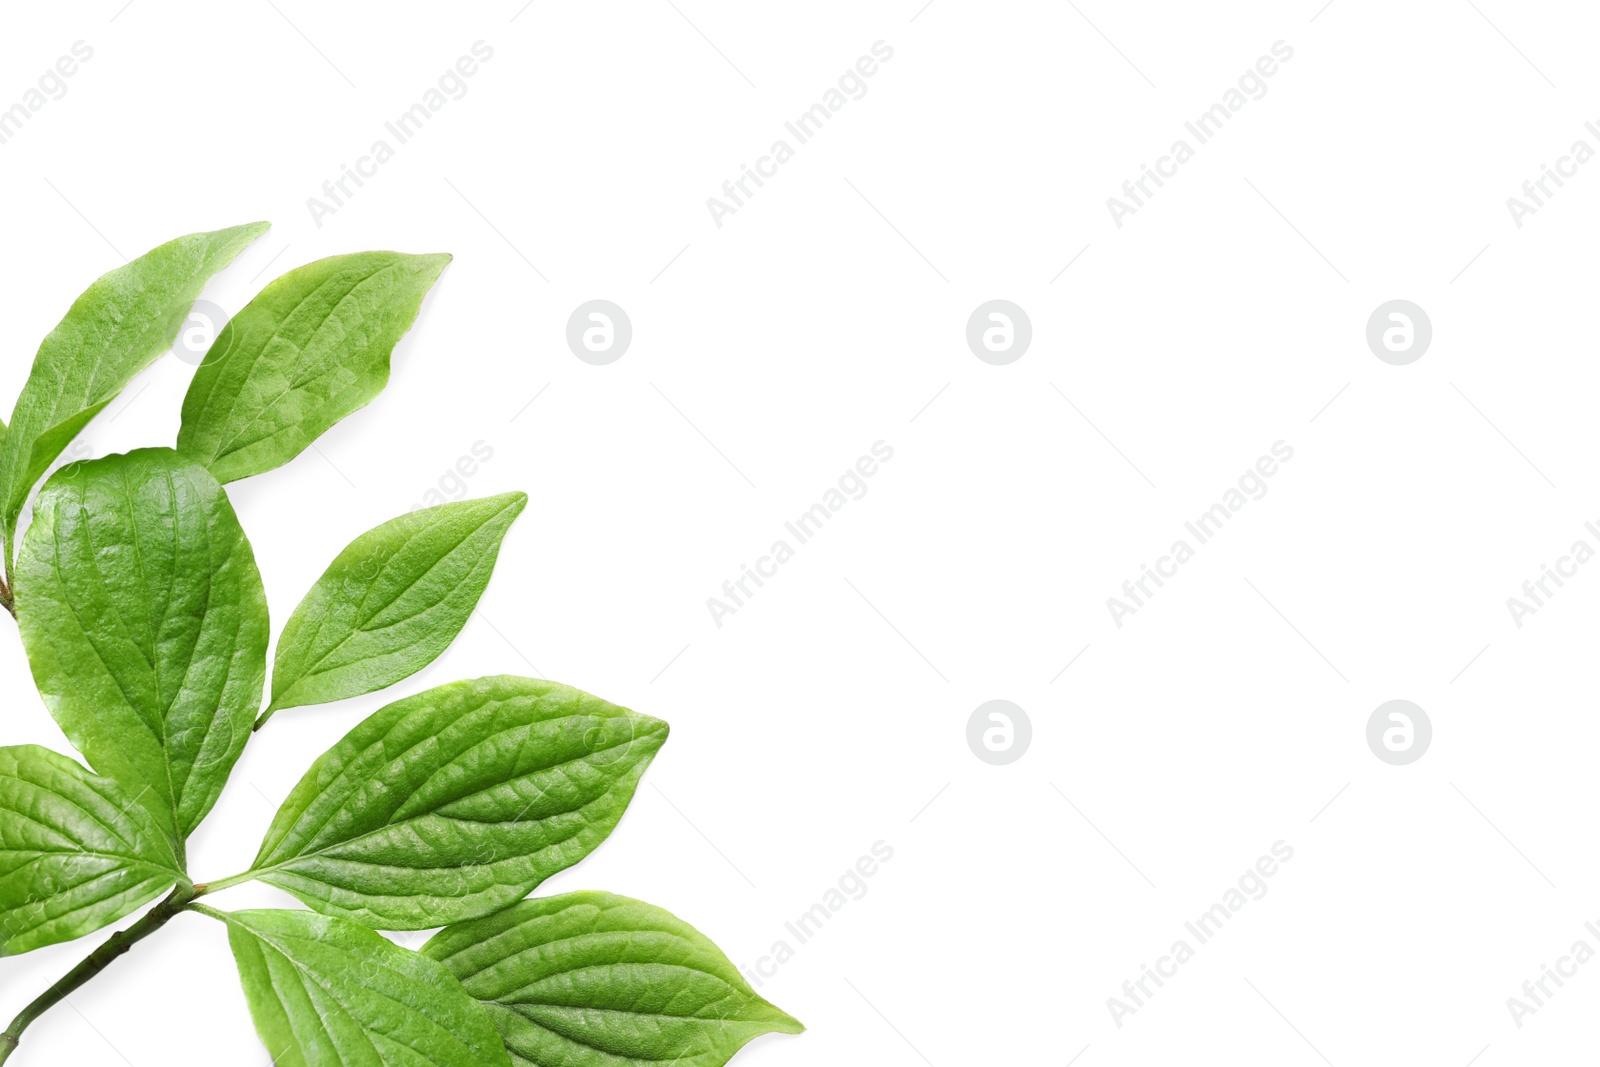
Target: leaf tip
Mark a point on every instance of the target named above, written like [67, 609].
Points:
[244, 234]
[785, 1023]
[433, 264]
[652, 727]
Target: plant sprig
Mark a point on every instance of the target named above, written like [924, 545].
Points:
[145, 623]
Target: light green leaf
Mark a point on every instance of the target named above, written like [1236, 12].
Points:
[311, 348]
[457, 801]
[146, 626]
[112, 332]
[391, 602]
[596, 980]
[76, 851]
[327, 993]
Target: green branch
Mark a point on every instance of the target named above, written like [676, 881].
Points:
[95, 962]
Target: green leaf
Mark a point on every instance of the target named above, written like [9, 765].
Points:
[457, 801]
[76, 851]
[327, 993]
[146, 626]
[391, 602]
[311, 348]
[112, 332]
[597, 980]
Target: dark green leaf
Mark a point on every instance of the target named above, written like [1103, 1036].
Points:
[76, 851]
[311, 348]
[328, 993]
[112, 332]
[596, 980]
[458, 801]
[391, 602]
[146, 626]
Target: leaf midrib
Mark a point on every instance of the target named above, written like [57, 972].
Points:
[360, 628]
[280, 865]
[232, 446]
[306, 974]
[162, 708]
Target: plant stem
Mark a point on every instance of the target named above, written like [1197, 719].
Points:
[7, 600]
[94, 963]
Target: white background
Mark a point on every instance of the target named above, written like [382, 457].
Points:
[829, 313]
